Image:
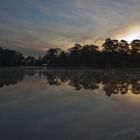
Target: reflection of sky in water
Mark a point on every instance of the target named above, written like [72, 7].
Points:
[33, 110]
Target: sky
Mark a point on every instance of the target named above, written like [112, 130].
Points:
[34, 26]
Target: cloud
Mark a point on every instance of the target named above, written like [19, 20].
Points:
[41, 24]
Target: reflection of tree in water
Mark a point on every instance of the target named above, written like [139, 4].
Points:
[85, 80]
[114, 82]
[135, 85]
[11, 76]
[53, 78]
[79, 80]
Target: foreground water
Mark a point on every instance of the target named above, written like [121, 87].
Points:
[69, 105]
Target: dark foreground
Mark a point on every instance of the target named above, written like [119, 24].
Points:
[69, 105]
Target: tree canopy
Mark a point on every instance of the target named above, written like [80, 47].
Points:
[112, 53]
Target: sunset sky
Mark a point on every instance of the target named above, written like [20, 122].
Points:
[33, 26]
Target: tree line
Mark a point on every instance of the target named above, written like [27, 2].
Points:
[112, 53]
[10, 58]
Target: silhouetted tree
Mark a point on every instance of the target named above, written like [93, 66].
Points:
[135, 46]
[74, 55]
[123, 47]
[135, 53]
[51, 56]
[114, 53]
[89, 55]
[75, 50]
[10, 58]
[30, 61]
[110, 45]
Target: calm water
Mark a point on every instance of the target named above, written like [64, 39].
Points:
[69, 105]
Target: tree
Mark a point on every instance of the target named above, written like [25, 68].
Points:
[10, 58]
[75, 50]
[74, 56]
[90, 49]
[52, 56]
[53, 52]
[89, 55]
[110, 45]
[135, 46]
[123, 46]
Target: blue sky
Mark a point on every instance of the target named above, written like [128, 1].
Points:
[33, 26]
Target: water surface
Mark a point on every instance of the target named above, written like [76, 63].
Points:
[38, 104]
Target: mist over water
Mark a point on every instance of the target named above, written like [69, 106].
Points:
[69, 104]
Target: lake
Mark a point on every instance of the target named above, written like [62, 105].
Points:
[40, 104]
